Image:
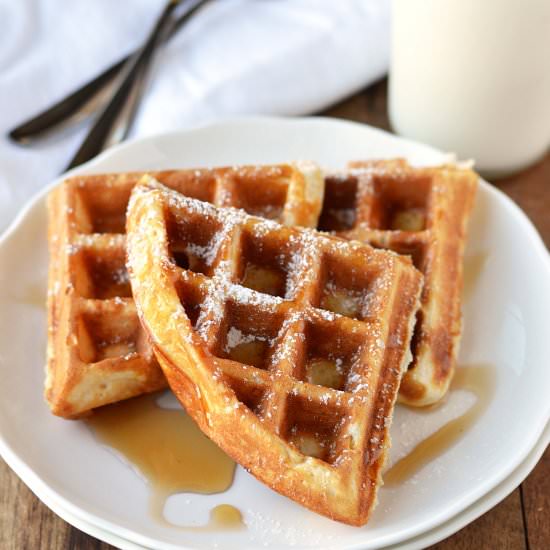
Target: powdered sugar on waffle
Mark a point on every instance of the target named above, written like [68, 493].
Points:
[304, 259]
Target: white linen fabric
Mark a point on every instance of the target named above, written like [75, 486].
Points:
[279, 57]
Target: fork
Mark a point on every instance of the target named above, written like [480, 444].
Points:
[89, 98]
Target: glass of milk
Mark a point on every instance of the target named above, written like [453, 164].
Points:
[473, 77]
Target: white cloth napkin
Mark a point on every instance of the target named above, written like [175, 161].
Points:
[282, 57]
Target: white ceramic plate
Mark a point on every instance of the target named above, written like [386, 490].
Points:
[506, 316]
[424, 540]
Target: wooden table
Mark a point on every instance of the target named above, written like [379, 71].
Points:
[521, 521]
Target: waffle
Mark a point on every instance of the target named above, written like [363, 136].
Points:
[97, 351]
[285, 345]
[423, 213]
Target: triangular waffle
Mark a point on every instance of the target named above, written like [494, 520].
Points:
[241, 315]
[421, 212]
[97, 353]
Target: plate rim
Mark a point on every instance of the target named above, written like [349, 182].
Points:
[433, 536]
[26, 473]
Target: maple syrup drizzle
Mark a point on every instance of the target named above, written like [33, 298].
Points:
[473, 266]
[34, 295]
[477, 379]
[170, 451]
[223, 517]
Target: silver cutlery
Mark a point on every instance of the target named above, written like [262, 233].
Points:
[116, 92]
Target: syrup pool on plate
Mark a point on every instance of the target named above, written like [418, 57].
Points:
[170, 451]
[473, 267]
[476, 379]
[33, 295]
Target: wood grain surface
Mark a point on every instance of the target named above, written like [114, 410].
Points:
[521, 521]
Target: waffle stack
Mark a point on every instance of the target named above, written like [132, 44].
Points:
[97, 351]
[286, 345]
[249, 330]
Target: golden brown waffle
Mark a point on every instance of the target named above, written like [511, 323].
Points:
[285, 345]
[97, 353]
[423, 213]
